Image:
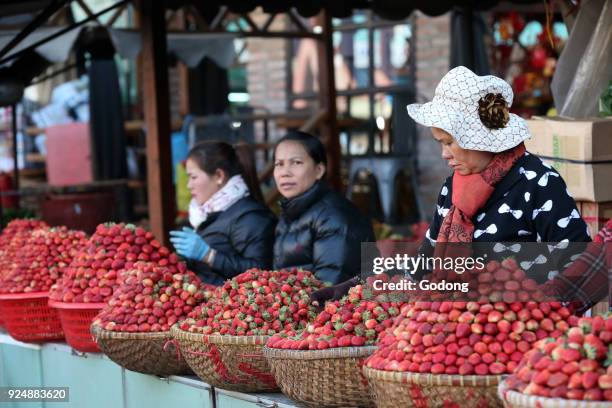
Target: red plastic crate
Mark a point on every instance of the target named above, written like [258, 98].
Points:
[76, 319]
[27, 317]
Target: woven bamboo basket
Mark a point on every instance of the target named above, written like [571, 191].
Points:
[514, 399]
[322, 378]
[407, 390]
[148, 353]
[234, 363]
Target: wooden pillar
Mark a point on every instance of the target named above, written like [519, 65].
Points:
[467, 31]
[183, 70]
[15, 150]
[156, 106]
[184, 106]
[327, 99]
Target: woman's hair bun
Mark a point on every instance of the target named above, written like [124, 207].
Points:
[493, 111]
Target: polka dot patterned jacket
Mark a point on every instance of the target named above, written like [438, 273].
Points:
[531, 204]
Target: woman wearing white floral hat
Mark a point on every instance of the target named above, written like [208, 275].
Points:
[498, 192]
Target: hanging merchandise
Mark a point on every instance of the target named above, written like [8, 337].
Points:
[525, 54]
[584, 67]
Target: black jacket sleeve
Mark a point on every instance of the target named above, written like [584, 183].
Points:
[330, 247]
[252, 238]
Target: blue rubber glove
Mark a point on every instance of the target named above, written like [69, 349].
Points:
[189, 244]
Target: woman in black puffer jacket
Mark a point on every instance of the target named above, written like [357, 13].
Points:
[319, 230]
[234, 231]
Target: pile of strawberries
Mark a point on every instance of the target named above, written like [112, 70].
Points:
[18, 227]
[92, 276]
[506, 282]
[150, 298]
[352, 321]
[12, 239]
[257, 302]
[41, 260]
[577, 366]
[466, 338]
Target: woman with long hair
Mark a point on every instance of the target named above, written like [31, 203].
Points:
[232, 230]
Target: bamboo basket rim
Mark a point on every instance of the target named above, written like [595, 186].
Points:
[100, 333]
[513, 396]
[218, 339]
[434, 379]
[330, 353]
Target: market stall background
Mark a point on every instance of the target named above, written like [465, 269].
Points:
[216, 13]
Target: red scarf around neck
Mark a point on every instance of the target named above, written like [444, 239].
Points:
[470, 193]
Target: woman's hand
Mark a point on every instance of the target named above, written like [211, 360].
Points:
[331, 293]
[189, 244]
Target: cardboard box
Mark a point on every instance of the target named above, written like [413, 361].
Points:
[582, 140]
[595, 214]
[580, 150]
[585, 182]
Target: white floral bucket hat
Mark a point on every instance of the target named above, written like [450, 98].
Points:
[474, 110]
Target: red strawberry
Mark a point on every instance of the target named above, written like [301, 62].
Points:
[358, 341]
[570, 355]
[589, 379]
[466, 369]
[480, 348]
[509, 347]
[594, 347]
[570, 368]
[465, 351]
[497, 368]
[575, 381]
[558, 392]
[593, 394]
[463, 330]
[605, 382]
[541, 377]
[588, 365]
[575, 394]
[438, 368]
[555, 366]
[476, 328]
[556, 380]
[481, 369]
[502, 275]
[495, 348]
[494, 317]
[488, 358]
[504, 326]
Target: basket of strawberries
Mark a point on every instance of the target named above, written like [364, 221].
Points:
[223, 339]
[90, 280]
[24, 291]
[456, 352]
[568, 372]
[321, 366]
[133, 329]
